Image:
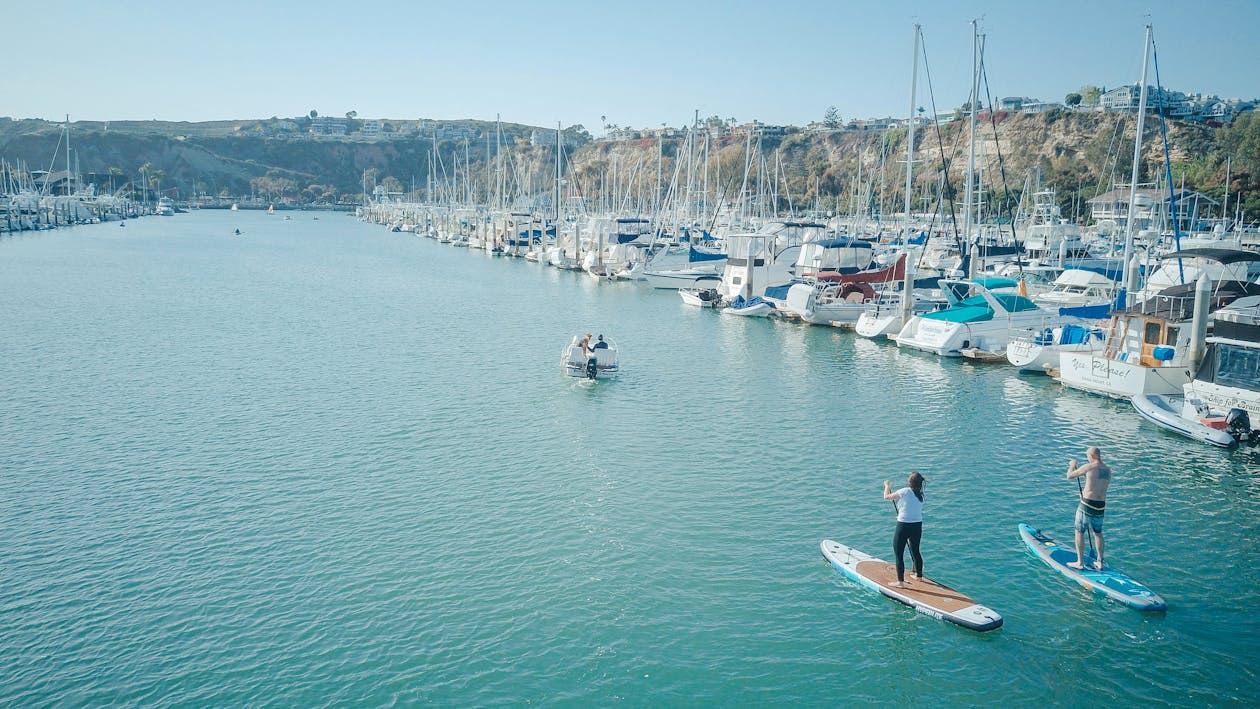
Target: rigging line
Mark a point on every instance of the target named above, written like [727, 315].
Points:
[940, 142]
[1163, 129]
[1112, 157]
[1006, 188]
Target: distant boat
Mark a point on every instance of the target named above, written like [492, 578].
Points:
[600, 360]
[235, 206]
[271, 209]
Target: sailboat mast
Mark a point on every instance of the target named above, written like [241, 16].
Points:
[968, 194]
[1130, 273]
[907, 290]
[67, 154]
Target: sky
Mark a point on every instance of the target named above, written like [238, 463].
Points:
[639, 64]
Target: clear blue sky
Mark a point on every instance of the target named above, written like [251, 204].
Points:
[640, 63]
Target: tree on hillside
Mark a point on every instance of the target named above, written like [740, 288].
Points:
[313, 114]
[351, 115]
[1089, 95]
[831, 118]
[391, 184]
[1072, 99]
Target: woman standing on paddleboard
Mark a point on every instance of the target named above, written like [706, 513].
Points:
[908, 502]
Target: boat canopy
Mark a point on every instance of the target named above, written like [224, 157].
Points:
[694, 255]
[1214, 254]
[843, 244]
[992, 282]
[1082, 278]
[962, 313]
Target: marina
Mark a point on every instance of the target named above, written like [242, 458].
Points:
[295, 471]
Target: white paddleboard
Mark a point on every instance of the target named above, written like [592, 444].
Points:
[924, 595]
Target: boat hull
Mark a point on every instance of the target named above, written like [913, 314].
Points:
[1165, 412]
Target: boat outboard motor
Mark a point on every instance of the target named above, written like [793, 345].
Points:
[592, 367]
[1238, 424]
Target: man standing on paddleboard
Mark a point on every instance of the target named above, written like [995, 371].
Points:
[1089, 513]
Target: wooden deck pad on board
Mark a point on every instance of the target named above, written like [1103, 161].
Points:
[925, 591]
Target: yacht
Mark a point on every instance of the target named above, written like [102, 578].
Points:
[983, 315]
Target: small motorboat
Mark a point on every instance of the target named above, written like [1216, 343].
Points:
[756, 307]
[1170, 412]
[701, 298]
[1038, 350]
[600, 359]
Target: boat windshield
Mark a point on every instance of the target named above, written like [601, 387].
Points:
[1236, 366]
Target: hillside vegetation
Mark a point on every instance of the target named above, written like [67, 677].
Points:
[1079, 154]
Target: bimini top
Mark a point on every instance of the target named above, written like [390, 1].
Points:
[842, 244]
[1176, 303]
[992, 282]
[1215, 254]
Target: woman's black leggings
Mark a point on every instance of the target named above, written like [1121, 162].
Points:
[908, 532]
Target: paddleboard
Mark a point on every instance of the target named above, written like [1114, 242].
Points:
[924, 595]
[1108, 581]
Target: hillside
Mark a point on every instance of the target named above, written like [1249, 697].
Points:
[1080, 154]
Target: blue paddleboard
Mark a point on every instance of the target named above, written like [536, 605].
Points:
[1108, 582]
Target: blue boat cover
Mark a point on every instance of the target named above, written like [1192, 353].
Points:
[1073, 335]
[693, 256]
[780, 292]
[1087, 312]
[992, 282]
[843, 244]
[961, 314]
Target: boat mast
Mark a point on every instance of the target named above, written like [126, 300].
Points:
[1129, 282]
[971, 151]
[1225, 204]
[67, 154]
[907, 300]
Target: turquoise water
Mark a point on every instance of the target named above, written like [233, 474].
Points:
[322, 463]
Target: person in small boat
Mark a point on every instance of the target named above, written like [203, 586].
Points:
[600, 345]
[1089, 513]
[585, 344]
[909, 504]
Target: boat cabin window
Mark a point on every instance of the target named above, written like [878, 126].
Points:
[1151, 331]
[1170, 335]
[1238, 367]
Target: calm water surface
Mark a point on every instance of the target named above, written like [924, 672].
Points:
[322, 463]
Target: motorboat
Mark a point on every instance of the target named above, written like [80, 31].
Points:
[1076, 287]
[1217, 404]
[756, 307]
[764, 259]
[701, 298]
[599, 360]
[1038, 350]
[698, 270]
[1170, 412]
[885, 316]
[826, 303]
[983, 315]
